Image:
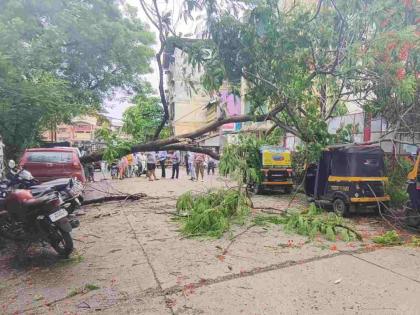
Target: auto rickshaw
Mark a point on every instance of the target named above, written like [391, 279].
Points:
[349, 178]
[276, 171]
[413, 190]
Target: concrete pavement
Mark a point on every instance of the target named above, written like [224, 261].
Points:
[134, 254]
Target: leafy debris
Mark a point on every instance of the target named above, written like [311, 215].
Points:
[311, 223]
[211, 213]
[390, 238]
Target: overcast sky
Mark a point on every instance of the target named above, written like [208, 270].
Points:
[116, 106]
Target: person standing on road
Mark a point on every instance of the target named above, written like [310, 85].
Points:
[162, 156]
[199, 165]
[130, 165]
[191, 165]
[151, 165]
[176, 160]
[187, 167]
[143, 162]
[1, 158]
[211, 163]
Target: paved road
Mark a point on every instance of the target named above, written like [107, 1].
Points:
[134, 254]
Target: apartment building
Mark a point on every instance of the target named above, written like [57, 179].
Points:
[191, 107]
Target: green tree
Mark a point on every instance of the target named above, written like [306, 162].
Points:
[311, 60]
[60, 58]
[142, 120]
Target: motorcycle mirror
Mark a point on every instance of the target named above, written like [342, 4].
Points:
[12, 164]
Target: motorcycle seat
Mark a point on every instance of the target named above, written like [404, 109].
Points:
[34, 202]
[54, 185]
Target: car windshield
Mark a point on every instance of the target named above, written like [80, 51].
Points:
[49, 157]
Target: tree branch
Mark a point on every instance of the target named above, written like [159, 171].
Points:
[158, 24]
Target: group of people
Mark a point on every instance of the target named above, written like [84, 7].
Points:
[195, 163]
[129, 165]
[162, 157]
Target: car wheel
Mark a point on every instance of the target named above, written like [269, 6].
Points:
[340, 207]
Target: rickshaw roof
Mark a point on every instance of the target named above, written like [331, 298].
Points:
[273, 148]
[356, 149]
[354, 160]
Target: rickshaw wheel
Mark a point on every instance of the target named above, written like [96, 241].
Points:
[340, 207]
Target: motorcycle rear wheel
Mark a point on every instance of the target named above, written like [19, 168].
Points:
[62, 243]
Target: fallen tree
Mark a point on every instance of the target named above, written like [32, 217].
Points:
[188, 141]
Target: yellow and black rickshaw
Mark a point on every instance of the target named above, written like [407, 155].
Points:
[349, 178]
[413, 189]
[276, 171]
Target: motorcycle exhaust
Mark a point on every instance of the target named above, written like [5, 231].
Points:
[74, 223]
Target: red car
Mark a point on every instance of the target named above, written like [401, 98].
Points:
[52, 163]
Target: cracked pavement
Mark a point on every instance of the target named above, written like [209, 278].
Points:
[132, 251]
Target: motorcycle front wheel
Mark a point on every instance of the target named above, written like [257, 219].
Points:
[61, 242]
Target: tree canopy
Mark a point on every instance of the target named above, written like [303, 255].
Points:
[141, 120]
[61, 58]
[304, 62]
[312, 60]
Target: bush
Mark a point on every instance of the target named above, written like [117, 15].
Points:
[397, 171]
[242, 160]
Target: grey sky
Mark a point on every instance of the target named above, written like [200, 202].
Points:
[120, 101]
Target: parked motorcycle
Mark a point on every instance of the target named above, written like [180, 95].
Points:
[20, 178]
[71, 190]
[25, 218]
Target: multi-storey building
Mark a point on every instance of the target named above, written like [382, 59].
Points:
[191, 107]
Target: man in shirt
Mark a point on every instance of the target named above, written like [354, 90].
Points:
[130, 165]
[1, 157]
[162, 156]
[211, 164]
[187, 167]
[199, 165]
[191, 165]
[151, 165]
[176, 160]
